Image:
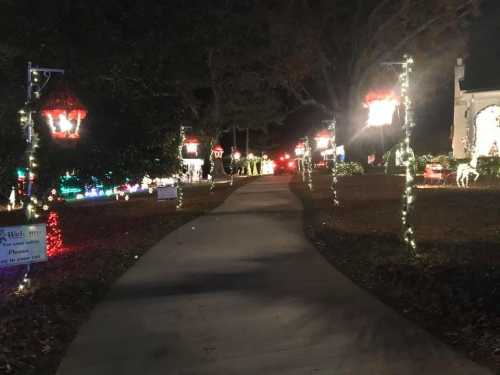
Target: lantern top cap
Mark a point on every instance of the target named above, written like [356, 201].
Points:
[217, 147]
[192, 140]
[63, 99]
[323, 134]
[380, 95]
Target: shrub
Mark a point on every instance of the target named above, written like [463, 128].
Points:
[349, 169]
[422, 161]
[445, 160]
[489, 166]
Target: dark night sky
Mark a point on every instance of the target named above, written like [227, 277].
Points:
[482, 71]
[435, 118]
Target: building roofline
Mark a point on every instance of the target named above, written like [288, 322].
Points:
[483, 90]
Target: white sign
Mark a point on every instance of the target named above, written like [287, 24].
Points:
[166, 192]
[23, 245]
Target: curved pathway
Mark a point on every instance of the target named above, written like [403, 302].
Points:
[242, 291]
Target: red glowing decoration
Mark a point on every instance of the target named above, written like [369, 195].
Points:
[323, 139]
[192, 144]
[217, 150]
[64, 114]
[381, 106]
[300, 149]
[54, 235]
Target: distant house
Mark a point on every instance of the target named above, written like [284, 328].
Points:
[476, 122]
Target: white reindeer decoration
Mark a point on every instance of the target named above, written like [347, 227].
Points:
[466, 169]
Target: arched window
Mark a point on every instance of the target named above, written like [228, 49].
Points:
[488, 130]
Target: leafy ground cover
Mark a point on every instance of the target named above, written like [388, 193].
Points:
[102, 240]
[453, 288]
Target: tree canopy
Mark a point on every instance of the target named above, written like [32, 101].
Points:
[143, 68]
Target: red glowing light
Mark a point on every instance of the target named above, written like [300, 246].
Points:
[54, 235]
[291, 164]
[323, 139]
[192, 144]
[373, 96]
[300, 149]
[64, 114]
[218, 151]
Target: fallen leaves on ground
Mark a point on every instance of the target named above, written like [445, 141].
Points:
[452, 289]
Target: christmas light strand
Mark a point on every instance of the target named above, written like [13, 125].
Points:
[212, 166]
[54, 235]
[231, 167]
[409, 196]
[333, 170]
[308, 163]
[180, 193]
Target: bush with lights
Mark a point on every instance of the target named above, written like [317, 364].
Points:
[489, 167]
[349, 169]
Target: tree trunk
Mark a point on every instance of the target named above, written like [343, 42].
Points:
[213, 85]
[234, 137]
[247, 142]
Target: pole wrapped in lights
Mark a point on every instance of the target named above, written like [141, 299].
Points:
[308, 163]
[37, 78]
[180, 192]
[333, 170]
[231, 167]
[408, 201]
[300, 149]
[212, 165]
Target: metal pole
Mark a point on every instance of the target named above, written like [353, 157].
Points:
[32, 143]
[231, 166]
[180, 192]
[308, 162]
[212, 166]
[247, 142]
[408, 199]
[333, 170]
[234, 136]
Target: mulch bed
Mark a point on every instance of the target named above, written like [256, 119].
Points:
[102, 240]
[453, 288]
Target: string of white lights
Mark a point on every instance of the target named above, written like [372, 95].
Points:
[409, 196]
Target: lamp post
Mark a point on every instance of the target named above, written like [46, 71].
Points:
[231, 166]
[408, 198]
[333, 169]
[308, 163]
[37, 79]
[216, 153]
[324, 139]
[180, 193]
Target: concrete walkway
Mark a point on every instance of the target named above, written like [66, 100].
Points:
[241, 291]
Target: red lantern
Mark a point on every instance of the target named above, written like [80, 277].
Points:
[236, 154]
[381, 107]
[322, 139]
[217, 150]
[300, 149]
[64, 114]
[192, 144]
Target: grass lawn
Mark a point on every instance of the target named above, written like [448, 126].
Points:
[102, 240]
[453, 289]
